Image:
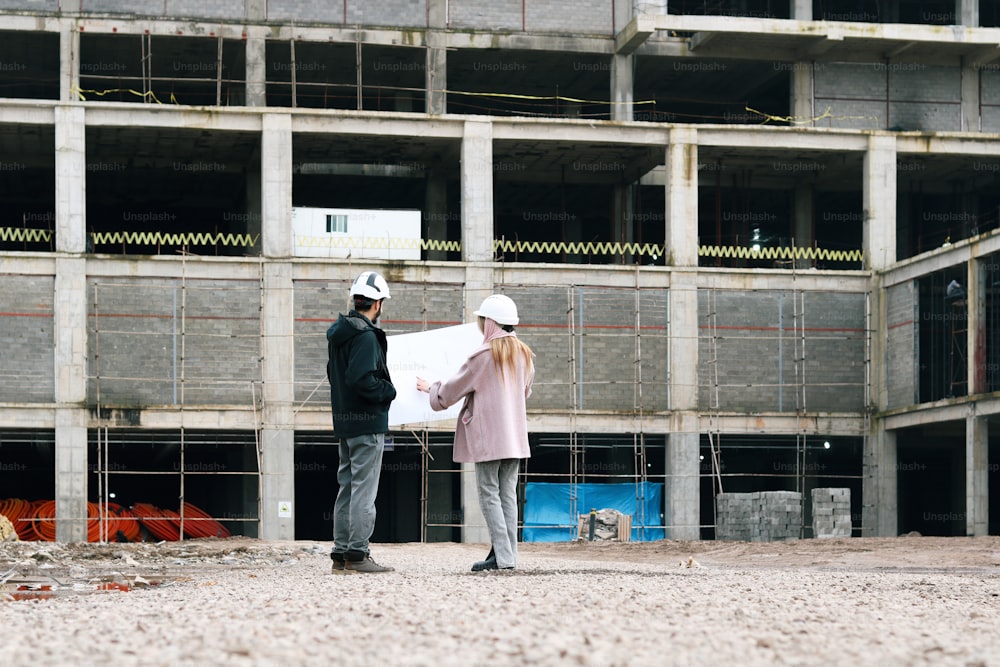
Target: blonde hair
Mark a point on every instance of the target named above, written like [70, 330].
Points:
[505, 351]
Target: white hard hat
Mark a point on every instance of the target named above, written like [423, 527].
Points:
[372, 285]
[499, 308]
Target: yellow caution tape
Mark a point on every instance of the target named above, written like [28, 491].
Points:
[101, 93]
[21, 235]
[163, 238]
[797, 252]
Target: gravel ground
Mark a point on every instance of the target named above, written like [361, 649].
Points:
[883, 601]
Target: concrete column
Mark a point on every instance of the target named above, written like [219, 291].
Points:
[879, 196]
[971, 116]
[976, 329]
[682, 197]
[977, 483]
[623, 222]
[254, 199]
[436, 211]
[802, 92]
[880, 485]
[682, 506]
[622, 88]
[256, 72]
[69, 64]
[277, 491]
[478, 286]
[477, 192]
[276, 185]
[681, 502]
[70, 349]
[801, 10]
[436, 75]
[71, 186]
[804, 225]
[967, 13]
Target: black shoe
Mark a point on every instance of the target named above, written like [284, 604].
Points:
[489, 564]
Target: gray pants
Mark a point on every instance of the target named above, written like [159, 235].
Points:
[358, 475]
[497, 485]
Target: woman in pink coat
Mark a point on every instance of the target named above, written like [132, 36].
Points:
[492, 429]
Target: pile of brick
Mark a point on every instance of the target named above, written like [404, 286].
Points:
[734, 516]
[609, 524]
[831, 512]
[761, 516]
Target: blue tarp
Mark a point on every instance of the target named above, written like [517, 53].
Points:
[547, 505]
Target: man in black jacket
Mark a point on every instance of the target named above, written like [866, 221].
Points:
[360, 393]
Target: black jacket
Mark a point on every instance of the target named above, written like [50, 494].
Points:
[360, 387]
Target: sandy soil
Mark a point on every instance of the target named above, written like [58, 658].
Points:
[861, 601]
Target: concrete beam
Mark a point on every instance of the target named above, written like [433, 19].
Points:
[634, 34]
[946, 410]
[965, 250]
[946, 144]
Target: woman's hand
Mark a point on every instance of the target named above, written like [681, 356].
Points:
[423, 385]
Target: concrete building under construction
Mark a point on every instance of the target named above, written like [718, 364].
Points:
[754, 245]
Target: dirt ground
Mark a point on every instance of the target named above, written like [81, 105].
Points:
[868, 601]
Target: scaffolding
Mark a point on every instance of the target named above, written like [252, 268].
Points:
[111, 473]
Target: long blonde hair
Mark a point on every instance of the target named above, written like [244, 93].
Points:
[505, 351]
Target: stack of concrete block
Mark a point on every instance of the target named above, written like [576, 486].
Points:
[761, 516]
[780, 516]
[734, 516]
[831, 511]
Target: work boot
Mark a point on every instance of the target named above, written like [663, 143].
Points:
[338, 563]
[366, 565]
[489, 564]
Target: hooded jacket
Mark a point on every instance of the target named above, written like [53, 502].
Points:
[360, 387]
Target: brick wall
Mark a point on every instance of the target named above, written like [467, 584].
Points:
[758, 341]
[901, 344]
[26, 329]
[166, 342]
[878, 96]
[588, 16]
[989, 86]
[318, 304]
[494, 15]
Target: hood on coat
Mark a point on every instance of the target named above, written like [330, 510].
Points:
[347, 327]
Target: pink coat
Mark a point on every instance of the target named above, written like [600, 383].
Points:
[492, 424]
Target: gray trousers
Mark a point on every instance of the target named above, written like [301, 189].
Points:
[358, 475]
[497, 485]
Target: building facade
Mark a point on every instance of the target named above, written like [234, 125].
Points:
[755, 248]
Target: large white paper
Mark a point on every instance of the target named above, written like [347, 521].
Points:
[433, 355]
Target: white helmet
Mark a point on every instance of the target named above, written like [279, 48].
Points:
[372, 285]
[499, 308]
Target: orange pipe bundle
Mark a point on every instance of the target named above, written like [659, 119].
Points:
[43, 523]
[127, 526]
[162, 524]
[16, 509]
[204, 526]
